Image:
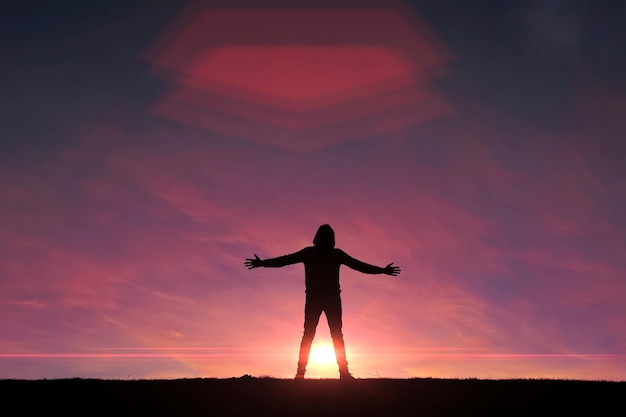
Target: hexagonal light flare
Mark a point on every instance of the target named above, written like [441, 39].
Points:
[299, 79]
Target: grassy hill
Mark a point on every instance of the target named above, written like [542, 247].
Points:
[249, 396]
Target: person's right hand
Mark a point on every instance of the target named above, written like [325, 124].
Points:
[253, 263]
[391, 270]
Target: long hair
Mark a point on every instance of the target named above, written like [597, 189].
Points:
[325, 237]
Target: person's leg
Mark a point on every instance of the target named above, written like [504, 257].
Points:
[333, 312]
[312, 312]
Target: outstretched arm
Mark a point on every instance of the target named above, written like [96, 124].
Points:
[368, 268]
[274, 262]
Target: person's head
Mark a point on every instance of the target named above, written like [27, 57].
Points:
[325, 237]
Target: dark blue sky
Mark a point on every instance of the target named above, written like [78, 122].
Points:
[65, 60]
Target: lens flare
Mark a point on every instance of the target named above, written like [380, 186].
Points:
[300, 79]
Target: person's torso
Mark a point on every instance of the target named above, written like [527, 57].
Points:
[321, 268]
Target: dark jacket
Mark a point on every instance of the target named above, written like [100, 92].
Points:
[321, 267]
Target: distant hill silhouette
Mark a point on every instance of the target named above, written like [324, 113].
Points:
[248, 396]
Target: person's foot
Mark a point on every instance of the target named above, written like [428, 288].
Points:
[345, 375]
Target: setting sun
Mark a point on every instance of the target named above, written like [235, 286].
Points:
[322, 355]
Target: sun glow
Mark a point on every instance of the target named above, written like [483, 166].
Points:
[322, 355]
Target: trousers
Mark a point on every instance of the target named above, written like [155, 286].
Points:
[330, 305]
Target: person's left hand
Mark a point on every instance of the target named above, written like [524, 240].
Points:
[391, 270]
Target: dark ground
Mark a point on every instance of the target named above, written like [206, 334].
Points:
[249, 396]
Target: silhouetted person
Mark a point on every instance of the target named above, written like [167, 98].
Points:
[321, 271]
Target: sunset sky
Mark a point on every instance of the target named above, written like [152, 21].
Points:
[148, 147]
